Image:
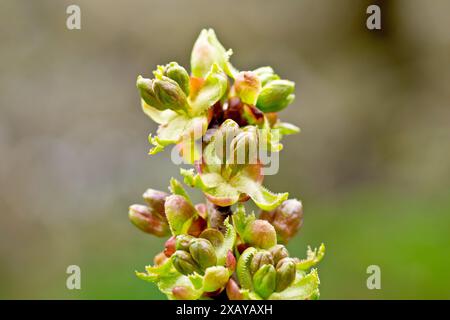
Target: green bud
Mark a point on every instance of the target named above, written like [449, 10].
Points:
[145, 87]
[278, 252]
[183, 242]
[180, 214]
[223, 137]
[285, 273]
[183, 262]
[247, 86]
[156, 199]
[259, 259]
[215, 278]
[202, 251]
[207, 51]
[266, 75]
[244, 148]
[264, 280]
[276, 95]
[260, 234]
[213, 235]
[146, 220]
[169, 94]
[287, 219]
[179, 74]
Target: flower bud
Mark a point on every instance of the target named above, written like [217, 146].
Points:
[287, 219]
[244, 148]
[276, 95]
[285, 273]
[259, 259]
[178, 212]
[215, 278]
[143, 218]
[213, 235]
[265, 75]
[170, 246]
[264, 281]
[207, 50]
[202, 251]
[145, 87]
[183, 242]
[184, 293]
[169, 94]
[183, 262]
[260, 234]
[230, 261]
[247, 86]
[278, 252]
[223, 137]
[155, 199]
[159, 259]
[179, 74]
[233, 291]
[147, 93]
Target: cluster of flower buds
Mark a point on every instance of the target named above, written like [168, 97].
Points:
[223, 121]
[264, 272]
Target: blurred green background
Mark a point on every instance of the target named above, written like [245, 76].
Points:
[372, 164]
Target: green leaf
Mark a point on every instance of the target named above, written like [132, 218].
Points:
[177, 188]
[243, 268]
[167, 278]
[180, 126]
[313, 257]
[241, 220]
[207, 51]
[196, 279]
[211, 91]
[303, 288]
[223, 195]
[192, 179]
[159, 116]
[262, 197]
[227, 244]
[286, 128]
[270, 138]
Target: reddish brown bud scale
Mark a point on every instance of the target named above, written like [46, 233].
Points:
[233, 291]
[198, 225]
[230, 261]
[241, 247]
[170, 246]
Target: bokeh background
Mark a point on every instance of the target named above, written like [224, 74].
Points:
[372, 164]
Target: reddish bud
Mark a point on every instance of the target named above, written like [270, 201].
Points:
[170, 246]
[287, 219]
[230, 261]
[146, 220]
[233, 291]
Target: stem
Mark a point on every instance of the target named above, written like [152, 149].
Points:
[217, 215]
